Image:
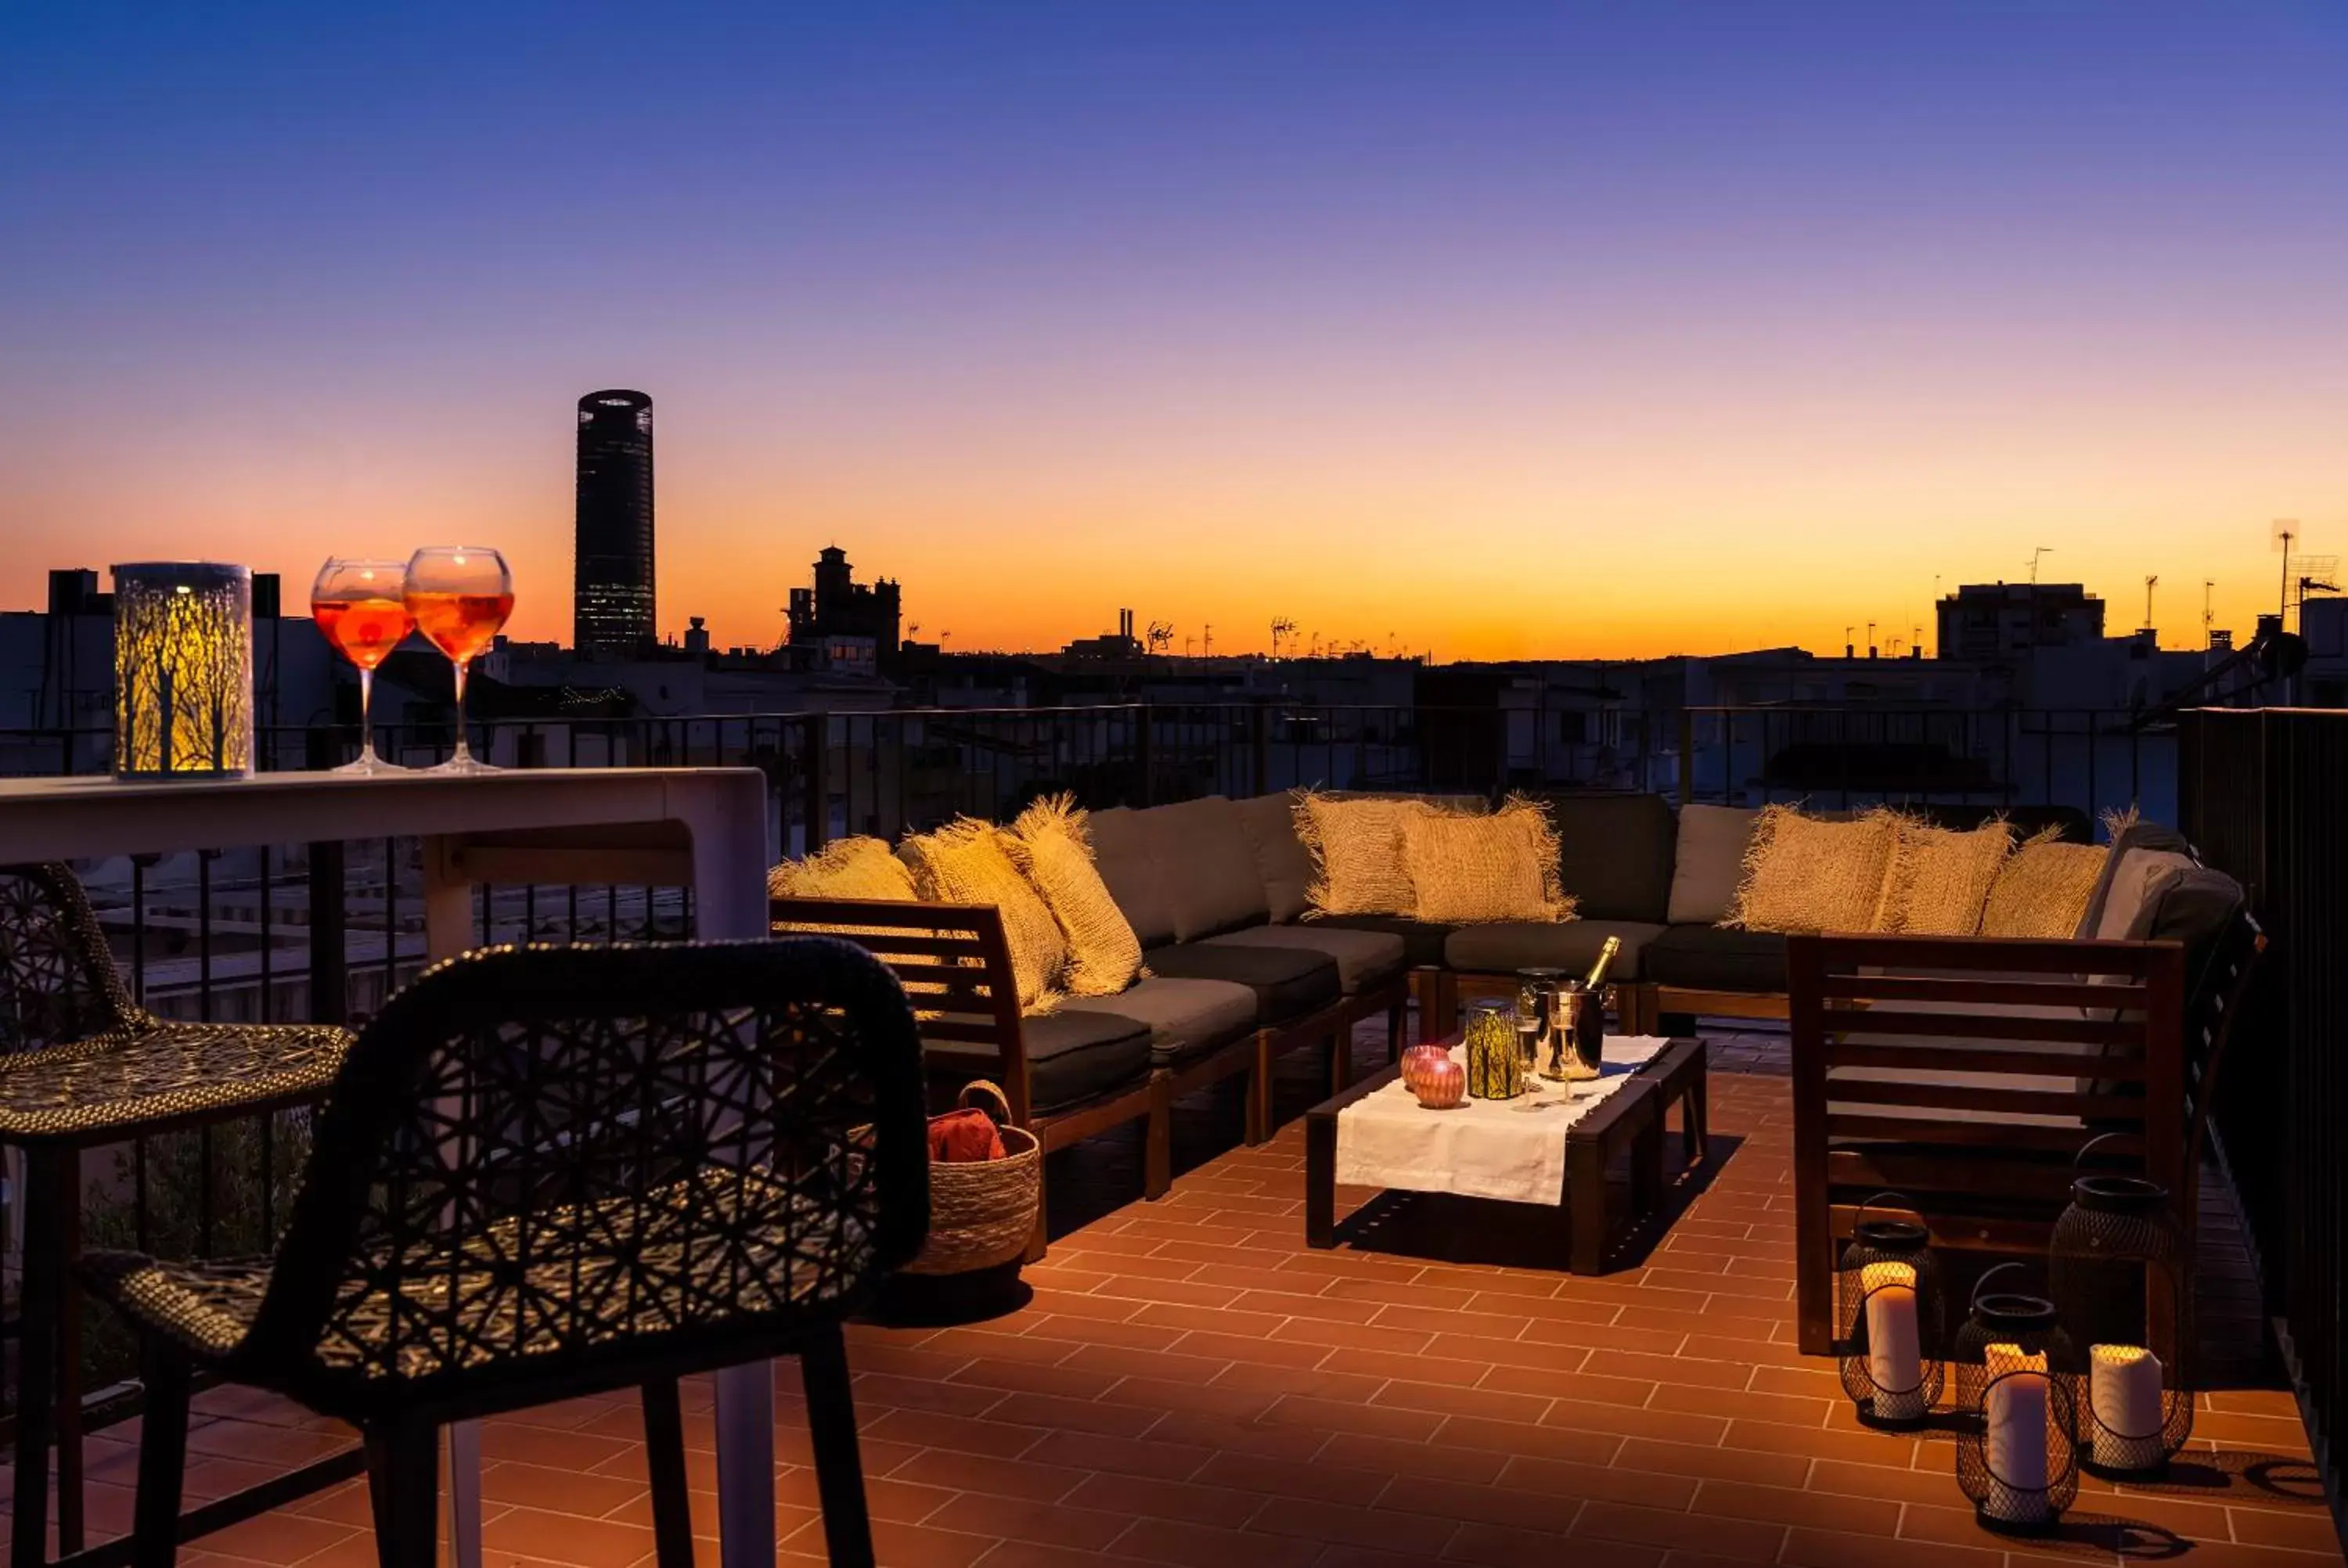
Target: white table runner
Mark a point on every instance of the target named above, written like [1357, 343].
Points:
[1511, 1149]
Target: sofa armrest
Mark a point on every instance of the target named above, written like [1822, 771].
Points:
[953, 961]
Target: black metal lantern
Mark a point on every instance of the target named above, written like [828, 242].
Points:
[2120, 1268]
[2017, 1399]
[1888, 1318]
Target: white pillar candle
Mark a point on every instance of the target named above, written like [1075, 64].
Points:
[1894, 1358]
[2016, 1411]
[2124, 1392]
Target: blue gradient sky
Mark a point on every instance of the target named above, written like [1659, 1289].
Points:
[1752, 317]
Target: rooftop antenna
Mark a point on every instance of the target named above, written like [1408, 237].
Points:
[2207, 619]
[2316, 575]
[2285, 530]
[2149, 584]
[1870, 640]
[1282, 627]
[2041, 551]
[1847, 633]
[1207, 646]
[1161, 636]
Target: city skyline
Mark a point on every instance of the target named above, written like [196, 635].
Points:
[1510, 334]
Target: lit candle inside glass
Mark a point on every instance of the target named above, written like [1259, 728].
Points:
[2124, 1393]
[1895, 1359]
[2017, 1422]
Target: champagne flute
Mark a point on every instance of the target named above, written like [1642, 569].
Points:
[360, 608]
[460, 595]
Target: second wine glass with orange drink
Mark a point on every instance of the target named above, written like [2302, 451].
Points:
[461, 596]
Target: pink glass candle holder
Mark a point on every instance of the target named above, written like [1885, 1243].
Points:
[1414, 1060]
[1442, 1085]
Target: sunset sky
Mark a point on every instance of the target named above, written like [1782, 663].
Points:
[1501, 330]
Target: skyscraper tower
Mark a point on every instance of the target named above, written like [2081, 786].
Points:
[611, 606]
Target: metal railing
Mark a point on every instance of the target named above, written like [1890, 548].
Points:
[2092, 760]
[327, 932]
[2263, 795]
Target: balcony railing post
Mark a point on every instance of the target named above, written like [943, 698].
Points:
[1687, 755]
[1259, 748]
[815, 802]
[1144, 755]
[329, 931]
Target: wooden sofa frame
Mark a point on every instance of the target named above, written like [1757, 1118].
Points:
[2143, 1067]
[956, 962]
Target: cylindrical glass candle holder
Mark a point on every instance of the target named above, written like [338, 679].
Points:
[182, 671]
[1494, 1071]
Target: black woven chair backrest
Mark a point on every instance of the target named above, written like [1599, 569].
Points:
[58, 979]
[553, 1163]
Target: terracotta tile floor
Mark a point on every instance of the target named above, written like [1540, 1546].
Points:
[1191, 1386]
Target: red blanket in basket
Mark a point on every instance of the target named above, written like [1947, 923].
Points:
[965, 1135]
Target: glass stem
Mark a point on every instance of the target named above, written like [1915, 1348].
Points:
[463, 753]
[366, 707]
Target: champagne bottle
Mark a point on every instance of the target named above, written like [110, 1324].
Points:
[1589, 1037]
[1606, 961]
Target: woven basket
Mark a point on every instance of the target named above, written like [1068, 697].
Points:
[982, 1212]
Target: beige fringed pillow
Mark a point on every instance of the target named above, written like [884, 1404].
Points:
[966, 862]
[2043, 888]
[1358, 855]
[1473, 868]
[844, 868]
[1051, 843]
[1803, 874]
[1939, 877]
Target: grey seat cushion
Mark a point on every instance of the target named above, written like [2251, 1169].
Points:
[1708, 862]
[1208, 863]
[1125, 852]
[1511, 945]
[1072, 1057]
[2136, 882]
[1614, 853]
[1422, 942]
[1280, 858]
[1186, 1018]
[1709, 959]
[1288, 982]
[1363, 958]
[2146, 835]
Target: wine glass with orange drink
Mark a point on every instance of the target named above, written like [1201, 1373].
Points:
[360, 607]
[461, 596]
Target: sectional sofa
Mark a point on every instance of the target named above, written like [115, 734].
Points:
[1215, 889]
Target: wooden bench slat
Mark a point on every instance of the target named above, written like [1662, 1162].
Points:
[2117, 1068]
[1991, 1139]
[1977, 1097]
[1936, 988]
[2126, 1032]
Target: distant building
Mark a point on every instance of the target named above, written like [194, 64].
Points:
[612, 613]
[845, 625]
[2007, 619]
[1119, 644]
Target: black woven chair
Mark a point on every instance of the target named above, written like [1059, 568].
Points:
[82, 1065]
[552, 1172]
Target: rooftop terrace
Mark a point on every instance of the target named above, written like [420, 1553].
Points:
[1191, 1386]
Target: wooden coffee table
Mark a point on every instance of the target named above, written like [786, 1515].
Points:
[1630, 1117]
